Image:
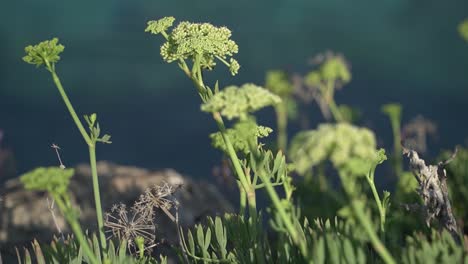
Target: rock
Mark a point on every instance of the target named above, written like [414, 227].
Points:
[25, 215]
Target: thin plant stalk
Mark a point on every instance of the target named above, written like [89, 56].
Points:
[97, 197]
[290, 227]
[245, 182]
[71, 109]
[92, 155]
[380, 207]
[331, 101]
[282, 123]
[76, 228]
[393, 111]
[375, 241]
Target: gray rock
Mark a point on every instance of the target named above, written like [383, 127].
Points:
[25, 215]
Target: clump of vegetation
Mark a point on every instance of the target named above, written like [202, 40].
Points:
[361, 228]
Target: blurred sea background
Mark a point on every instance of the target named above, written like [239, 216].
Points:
[406, 51]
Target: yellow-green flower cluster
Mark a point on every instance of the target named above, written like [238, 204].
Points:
[392, 110]
[239, 136]
[340, 143]
[200, 42]
[159, 26]
[51, 179]
[45, 52]
[334, 68]
[463, 29]
[278, 82]
[237, 102]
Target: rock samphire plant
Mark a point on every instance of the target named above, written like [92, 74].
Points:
[197, 48]
[55, 180]
[281, 233]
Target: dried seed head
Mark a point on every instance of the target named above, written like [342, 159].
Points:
[123, 224]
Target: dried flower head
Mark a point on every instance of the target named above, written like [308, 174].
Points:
[161, 197]
[46, 52]
[200, 42]
[129, 225]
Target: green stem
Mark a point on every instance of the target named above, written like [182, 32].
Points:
[367, 225]
[92, 154]
[243, 199]
[97, 199]
[245, 182]
[397, 157]
[70, 108]
[284, 216]
[76, 230]
[329, 92]
[282, 119]
[377, 201]
[298, 240]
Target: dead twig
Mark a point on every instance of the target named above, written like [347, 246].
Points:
[432, 180]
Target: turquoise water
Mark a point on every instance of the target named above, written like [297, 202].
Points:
[407, 51]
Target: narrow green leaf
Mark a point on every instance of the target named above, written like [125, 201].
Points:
[207, 239]
[98, 130]
[38, 252]
[191, 242]
[27, 257]
[349, 251]
[200, 237]
[97, 250]
[111, 250]
[123, 249]
[277, 162]
[319, 251]
[216, 88]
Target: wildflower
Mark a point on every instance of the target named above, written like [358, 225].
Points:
[200, 42]
[463, 29]
[343, 144]
[52, 179]
[237, 102]
[333, 67]
[240, 135]
[159, 26]
[129, 226]
[46, 52]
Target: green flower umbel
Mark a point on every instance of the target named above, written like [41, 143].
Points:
[237, 102]
[159, 26]
[46, 52]
[51, 179]
[200, 42]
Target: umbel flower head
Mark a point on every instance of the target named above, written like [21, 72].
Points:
[159, 26]
[237, 102]
[240, 135]
[463, 29]
[51, 179]
[46, 52]
[333, 67]
[200, 42]
[343, 144]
